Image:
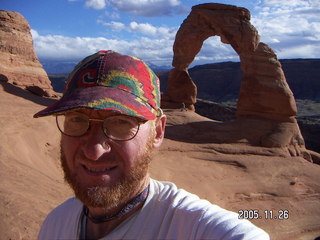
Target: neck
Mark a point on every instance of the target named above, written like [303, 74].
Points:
[100, 222]
[101, 212]
[100, 230]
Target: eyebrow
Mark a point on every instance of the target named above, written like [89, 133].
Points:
[97, 113]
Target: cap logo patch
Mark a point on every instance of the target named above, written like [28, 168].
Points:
[87, 78]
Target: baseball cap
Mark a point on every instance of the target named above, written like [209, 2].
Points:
[110, 81]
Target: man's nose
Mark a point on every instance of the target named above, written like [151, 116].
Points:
[96, 143]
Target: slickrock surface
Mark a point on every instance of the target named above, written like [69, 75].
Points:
[266, 107]
[234, 176]
[19, 63]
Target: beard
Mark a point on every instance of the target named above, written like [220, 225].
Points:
[109, 197]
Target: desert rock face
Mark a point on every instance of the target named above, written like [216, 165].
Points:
[19, 63]
[265, 99]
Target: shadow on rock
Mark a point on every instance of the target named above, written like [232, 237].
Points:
[19, 92]
[205, 132]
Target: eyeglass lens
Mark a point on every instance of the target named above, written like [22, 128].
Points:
[115, 127]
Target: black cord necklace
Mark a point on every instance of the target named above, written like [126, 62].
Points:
[126, 209]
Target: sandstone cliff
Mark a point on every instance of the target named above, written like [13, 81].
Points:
[19, 63]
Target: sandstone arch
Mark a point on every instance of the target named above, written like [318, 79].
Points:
[265, 98]
[264, 91]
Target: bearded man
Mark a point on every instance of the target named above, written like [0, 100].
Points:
[110, 119]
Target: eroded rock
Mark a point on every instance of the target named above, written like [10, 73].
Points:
[19, 63]
[264, 98]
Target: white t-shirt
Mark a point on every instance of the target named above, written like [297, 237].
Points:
[168, 213]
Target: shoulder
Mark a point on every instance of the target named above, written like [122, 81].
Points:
[167, 192]
[203, 219]
[64, 218]
[65, 210]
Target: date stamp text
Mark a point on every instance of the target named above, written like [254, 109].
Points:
[281, 214]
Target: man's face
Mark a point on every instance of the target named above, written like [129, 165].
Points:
[102, 172]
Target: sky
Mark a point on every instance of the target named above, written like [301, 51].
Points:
[69, 30]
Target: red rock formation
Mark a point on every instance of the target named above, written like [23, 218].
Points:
[266, 107]
[264, 91]
[19, 63]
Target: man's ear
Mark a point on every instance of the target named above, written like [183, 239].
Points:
[160, 125]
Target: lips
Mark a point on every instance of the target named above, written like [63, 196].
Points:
[97, 170]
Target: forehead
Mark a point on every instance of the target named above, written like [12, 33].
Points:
[93, 113]
[97, 113]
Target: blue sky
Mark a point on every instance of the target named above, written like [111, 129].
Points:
[73, 29]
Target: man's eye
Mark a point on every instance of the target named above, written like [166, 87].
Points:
[121, 122]
[76, 119]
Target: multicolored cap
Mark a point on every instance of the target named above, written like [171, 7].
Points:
[110, 81]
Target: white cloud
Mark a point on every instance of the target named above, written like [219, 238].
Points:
[291, 29]
[114, 15]
[150, 30]
[34, 34]
[213, 50]
[146, 29]
[116, 26]
[149, 8]
[96, 4]
[289, 4]
[156, 51]
[300, 51]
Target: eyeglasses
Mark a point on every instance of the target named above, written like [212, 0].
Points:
[120, 127]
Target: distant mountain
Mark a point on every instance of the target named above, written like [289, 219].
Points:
[58, 81]
[303, 77]
[220, 82]
[66, 66]
[58, 66]
[157, 68]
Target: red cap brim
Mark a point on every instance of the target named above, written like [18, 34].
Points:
[102, 98]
